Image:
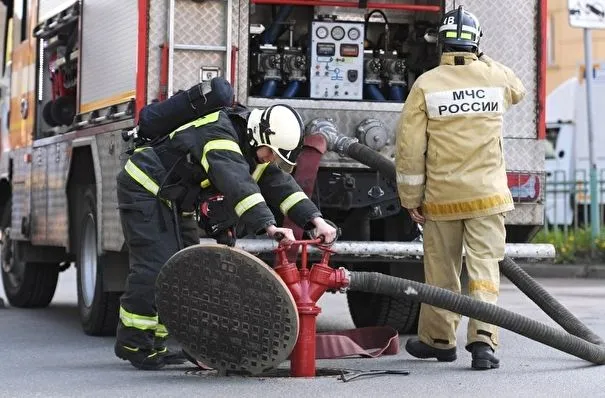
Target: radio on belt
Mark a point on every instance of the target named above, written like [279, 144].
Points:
[336, 60]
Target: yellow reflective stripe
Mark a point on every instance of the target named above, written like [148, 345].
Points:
[205, 183]
[137, 150]
[247, 203]
[225, 145]
[482, 285]
[210, 118]
[141, 322]
[291, 201]
[161, 331]
[139, 176]
[259, 170]
[463, 35]
[489, 202]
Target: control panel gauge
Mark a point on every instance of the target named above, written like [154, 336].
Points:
[354, 33]
[338, 33]
[321, 32]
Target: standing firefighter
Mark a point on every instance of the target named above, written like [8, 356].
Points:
[234, 152]
[451, 176]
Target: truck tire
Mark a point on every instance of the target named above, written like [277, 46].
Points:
[27, 284]
[369, 309]
[98, 309]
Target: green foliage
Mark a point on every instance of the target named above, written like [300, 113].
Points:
[573, 246]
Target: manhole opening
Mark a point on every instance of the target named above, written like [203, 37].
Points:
[319, 372]
[277, 373]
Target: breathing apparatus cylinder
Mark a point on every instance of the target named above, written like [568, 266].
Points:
[161, 118]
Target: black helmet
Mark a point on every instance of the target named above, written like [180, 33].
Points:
[459, 31]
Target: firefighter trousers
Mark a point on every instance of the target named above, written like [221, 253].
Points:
[483, 239]
[149, 231]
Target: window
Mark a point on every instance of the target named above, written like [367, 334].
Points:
[550, 143]
[550, 40]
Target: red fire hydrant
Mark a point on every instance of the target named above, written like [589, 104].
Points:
[307, 286]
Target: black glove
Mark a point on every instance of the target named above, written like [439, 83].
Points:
[217, 220]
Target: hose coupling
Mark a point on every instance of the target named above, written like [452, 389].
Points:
[335, 141]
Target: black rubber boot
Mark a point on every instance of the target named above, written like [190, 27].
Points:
[418, 349]
[139, 358]
[171, 357]
[483, 356]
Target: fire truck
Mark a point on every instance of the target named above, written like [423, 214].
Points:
[76, 74]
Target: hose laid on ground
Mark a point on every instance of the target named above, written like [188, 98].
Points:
[508, 267]
[546, 302]
[374, 282]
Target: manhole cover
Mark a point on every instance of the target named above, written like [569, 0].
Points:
[227, 309]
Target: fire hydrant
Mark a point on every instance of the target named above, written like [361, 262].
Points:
[307, 286]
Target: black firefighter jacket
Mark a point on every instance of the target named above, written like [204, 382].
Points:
[211, 155]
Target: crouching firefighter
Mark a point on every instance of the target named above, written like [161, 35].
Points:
[239, 155]
[451, 176]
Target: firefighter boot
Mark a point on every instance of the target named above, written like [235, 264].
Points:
[483, 356]
[140, 358]
[170, 357]
[418, 349]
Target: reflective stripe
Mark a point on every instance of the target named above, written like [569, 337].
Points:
[139, 176]
[141, 322]
[226, 145]
[210, 118]
[291, 201]
[410, 179]
[247, 203]
[137, 150]
[259, 170]
[463, 35]
[205, 183]
[490, 202]
[482, 285]
[160, 331]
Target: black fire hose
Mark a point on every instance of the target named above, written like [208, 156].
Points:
[371, 158]
[558, 312]
[512, 271]
[374, 282]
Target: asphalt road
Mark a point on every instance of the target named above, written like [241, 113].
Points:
[44, 353]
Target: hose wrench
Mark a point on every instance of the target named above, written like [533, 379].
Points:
[374, 372]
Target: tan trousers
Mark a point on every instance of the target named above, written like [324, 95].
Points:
[483, 239]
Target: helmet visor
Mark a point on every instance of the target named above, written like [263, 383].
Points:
[284, 159]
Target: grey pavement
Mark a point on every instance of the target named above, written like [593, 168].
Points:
[44, 353]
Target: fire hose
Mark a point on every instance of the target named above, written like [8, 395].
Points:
[384, 284]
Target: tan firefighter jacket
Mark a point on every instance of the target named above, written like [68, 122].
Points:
[449, 154]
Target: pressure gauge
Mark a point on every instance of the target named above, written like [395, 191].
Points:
[338, 33]
[354, 34]
[321, 32]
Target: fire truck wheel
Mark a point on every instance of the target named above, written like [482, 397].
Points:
[370, 309]
[47, 116]
[63, 110]
[27, 284]
[98, 309]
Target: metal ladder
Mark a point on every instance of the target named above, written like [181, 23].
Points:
[172, 46]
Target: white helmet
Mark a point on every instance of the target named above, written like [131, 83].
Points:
[280, 128]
